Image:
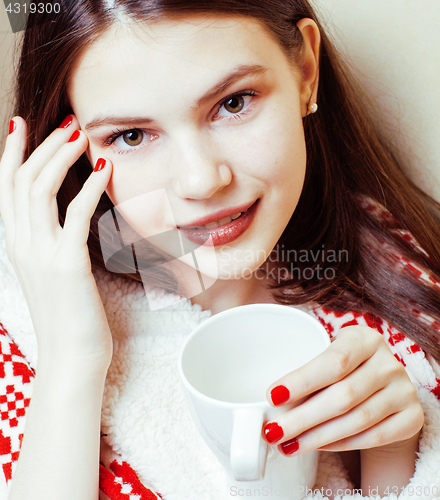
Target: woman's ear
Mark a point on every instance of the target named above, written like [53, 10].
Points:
[309, 64]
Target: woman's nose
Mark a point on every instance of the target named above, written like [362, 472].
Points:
[198, 171]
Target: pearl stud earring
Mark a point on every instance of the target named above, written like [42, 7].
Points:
[313, 108]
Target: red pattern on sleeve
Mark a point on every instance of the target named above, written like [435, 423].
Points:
[16, 377]
[16, 382]
[122, 483]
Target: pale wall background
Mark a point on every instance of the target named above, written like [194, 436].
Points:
[7, 40]
[394, 46]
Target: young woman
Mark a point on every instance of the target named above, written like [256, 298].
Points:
[236, 125]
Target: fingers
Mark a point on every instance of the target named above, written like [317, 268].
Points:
[352, 346]
[378, 421]
[361, 418]
[12, 158]
[79, 212]
[352, 404]
[392, 429]
[49, 147]
[34, 198]
[336, 400]
[43, 208]
[28, 190]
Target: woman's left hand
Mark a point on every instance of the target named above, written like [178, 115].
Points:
[359, 397]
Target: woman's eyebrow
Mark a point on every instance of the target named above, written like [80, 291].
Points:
[237, 74]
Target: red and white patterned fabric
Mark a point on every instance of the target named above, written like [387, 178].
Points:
[150, 447]
[118, 481]
[16, 379]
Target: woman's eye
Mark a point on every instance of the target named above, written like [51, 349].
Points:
[132, 138]
[234, 105]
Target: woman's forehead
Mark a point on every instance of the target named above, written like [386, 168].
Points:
[170, 46]
[182, 58]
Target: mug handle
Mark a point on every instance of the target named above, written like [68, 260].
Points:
[248, 449]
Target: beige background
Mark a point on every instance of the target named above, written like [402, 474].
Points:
[394, 46]
[7, 40]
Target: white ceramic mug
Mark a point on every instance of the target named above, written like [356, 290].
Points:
[226, 365]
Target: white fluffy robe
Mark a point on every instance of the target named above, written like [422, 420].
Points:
[145, 416]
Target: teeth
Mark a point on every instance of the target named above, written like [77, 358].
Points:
[224, 221]
[221, 222]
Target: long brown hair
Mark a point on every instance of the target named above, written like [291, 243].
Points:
[348, 165]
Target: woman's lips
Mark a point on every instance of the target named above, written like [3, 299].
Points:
[222, 234]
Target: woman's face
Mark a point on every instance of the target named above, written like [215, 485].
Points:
[202, 120]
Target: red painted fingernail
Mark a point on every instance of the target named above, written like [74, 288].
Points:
[273, 432]
[66, 122]
[279, 395]
[12, 126]
[74, 136]
[290, 446]
[100, 164]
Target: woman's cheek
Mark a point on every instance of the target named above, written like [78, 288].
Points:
[248, 149]
[134, 177]
[289, 150]
[274, 152]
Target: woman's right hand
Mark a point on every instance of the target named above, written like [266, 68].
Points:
[53, 263]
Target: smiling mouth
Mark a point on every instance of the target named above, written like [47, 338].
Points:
[213, 225]
[222, 231]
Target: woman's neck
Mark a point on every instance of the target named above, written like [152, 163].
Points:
[225, 294]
